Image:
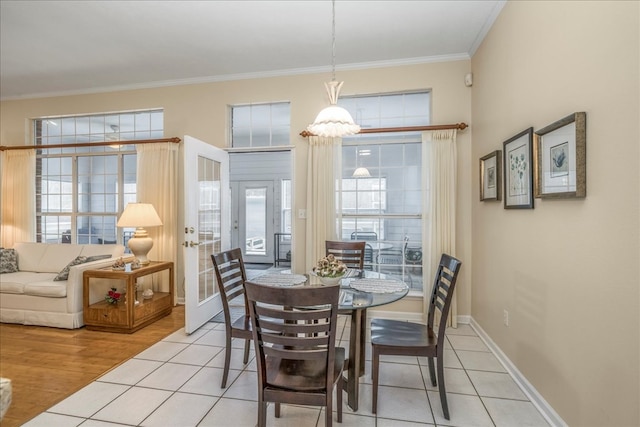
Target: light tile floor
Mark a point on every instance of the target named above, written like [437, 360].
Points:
[176, 383]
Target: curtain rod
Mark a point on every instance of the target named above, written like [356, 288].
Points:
[175, 139]
[459, 126]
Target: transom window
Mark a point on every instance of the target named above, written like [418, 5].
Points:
[81, 191]
[260, 125]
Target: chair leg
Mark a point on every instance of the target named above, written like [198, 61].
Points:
[328, 415]
[432, 371]
[247, 345]
[262, 413]
[375, 366]
[277, 410]
[441, 389]
[339, 398]
[227, 360]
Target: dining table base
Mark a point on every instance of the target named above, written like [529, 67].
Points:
[355, 369]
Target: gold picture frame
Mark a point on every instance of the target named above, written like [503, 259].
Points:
[491, 177]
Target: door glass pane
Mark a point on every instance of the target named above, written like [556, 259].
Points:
[209, 209]
[256, 221]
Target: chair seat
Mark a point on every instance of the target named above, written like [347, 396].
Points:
[242, 327]
[301, 375]
[402, 334]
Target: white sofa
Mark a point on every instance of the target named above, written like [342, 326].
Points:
[30, 296]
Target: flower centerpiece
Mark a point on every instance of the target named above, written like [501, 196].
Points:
[112, 296]
[119, 265]
[330, 270]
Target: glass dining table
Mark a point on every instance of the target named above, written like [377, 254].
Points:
[359, 291]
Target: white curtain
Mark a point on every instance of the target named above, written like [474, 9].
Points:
[323, 166]
[17, 214]
[439, 166]
[157, 183]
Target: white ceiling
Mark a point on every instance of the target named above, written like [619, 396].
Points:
[67, 47]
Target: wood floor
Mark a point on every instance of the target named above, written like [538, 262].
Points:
[46, 365]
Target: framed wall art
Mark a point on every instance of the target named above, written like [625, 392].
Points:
[491, 176]
[518, 171]
[561, 158]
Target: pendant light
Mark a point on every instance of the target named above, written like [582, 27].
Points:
[361, 171]
[333, 121]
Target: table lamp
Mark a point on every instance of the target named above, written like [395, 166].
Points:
[140, 215]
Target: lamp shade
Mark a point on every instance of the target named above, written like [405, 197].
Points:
[333, 121]
[139, 215]
[361, 172]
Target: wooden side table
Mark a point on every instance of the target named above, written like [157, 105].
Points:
[127, 316]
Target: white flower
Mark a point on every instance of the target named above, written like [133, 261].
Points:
[329, 266]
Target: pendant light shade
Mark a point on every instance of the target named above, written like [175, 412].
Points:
[361, 172]
[333, 121]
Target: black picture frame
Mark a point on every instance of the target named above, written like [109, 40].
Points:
[518, 170]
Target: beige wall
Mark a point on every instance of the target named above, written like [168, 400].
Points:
[201, 111]
[568, 270]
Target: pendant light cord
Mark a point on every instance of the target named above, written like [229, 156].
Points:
[333, 41]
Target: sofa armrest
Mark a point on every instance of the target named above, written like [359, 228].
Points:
[75, 280]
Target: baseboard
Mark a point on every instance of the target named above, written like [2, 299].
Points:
[464, 320]
[527, 388]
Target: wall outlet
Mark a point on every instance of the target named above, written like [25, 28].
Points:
[302, 213]
[505, 318]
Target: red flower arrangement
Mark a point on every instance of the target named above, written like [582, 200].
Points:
[113, 297]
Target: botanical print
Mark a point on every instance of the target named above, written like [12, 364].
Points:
[559, 160]
[518, 171]
[491, 177]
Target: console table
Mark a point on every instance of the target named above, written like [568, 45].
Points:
[127, 316]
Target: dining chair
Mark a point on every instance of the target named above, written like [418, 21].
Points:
[350, 253]
[231, 276]
[400, 338]
[298, 362]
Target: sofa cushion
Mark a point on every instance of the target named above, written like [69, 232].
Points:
[8, 261]
[14, 283]
[64, 273]
[47, 288]
[30, 254]
[57, 256]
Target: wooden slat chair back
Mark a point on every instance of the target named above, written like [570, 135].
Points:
[350, 253]
[231, 276]
[399, 338]
[298, 362]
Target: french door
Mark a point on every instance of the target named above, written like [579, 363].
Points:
[207, 227]
[253, 220]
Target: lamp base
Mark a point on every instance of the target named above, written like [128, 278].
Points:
[140, 246]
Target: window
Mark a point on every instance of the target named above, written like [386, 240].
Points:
[81, 191]
[285, 226]
[260, 125]
[385, 209]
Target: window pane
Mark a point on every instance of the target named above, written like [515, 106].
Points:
[256, 221]
[261, 125]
